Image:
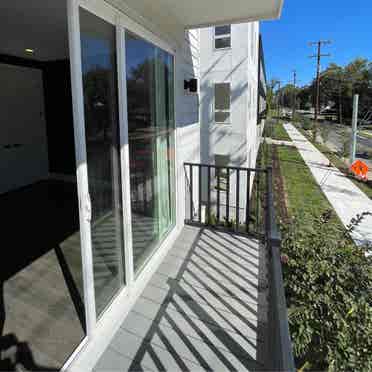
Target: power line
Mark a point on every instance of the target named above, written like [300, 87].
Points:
[318, 56]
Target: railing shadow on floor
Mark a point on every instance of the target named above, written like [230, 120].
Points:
[210, 302]
[258, 206]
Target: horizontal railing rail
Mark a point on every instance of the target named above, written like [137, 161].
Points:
[226, 197]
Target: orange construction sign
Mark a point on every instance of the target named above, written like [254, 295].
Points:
[360, 169]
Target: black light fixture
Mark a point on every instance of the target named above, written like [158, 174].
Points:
[191, 85]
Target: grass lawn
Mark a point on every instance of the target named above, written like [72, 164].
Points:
[278, 132]
[304, 197]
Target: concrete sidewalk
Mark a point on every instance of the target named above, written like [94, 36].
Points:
[346, 198]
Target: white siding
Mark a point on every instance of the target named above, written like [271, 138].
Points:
[238, 66]
[188, 124]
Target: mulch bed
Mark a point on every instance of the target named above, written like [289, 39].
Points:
[281, 202]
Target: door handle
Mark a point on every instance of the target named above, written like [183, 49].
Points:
[87, 208]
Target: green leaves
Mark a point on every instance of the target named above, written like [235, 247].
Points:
[328, 283]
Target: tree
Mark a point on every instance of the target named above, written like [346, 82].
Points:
[270, 95]
[338, 85]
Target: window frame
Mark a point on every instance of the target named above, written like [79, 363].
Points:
[219, 110]
[223, 36]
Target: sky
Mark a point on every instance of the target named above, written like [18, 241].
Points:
[347, 23]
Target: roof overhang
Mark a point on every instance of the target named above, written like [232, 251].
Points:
[203, 13]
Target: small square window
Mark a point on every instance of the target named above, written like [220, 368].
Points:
[222, 37]
[222, 103]
[222, 43]
[222, 30]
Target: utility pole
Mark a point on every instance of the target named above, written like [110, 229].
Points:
[278, 99]
[294, 95]
[340, 103]
[354, 128]
[318, 56]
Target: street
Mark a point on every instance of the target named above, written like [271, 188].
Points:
[337, 136]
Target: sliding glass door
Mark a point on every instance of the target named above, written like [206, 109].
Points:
[100, 87]
[151, 144]
[139, 171]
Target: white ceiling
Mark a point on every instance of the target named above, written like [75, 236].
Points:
[37, 24]
[203, 13]
[42, 24]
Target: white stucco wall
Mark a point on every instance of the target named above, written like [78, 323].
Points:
[239, 66]
[187, 118]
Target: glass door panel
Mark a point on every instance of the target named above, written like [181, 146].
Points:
[151, 145]
[98, 48]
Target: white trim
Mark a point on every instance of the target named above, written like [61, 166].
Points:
[124, 155]
[110, 15]
[76, 352]
[81, 163]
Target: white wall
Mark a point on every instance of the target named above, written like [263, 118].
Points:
[187, 118]
[21, 122]
[239, 66]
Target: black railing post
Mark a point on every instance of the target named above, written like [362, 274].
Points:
[218, 195]
[200, 191]
[191, 194]
[257, 201]
[209, 196]
[247, 202]
[237, 199]
[227, 195]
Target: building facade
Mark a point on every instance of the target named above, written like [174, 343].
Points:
[96, 125]
[230, 59]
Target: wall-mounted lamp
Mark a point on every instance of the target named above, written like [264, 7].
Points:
[191, 85]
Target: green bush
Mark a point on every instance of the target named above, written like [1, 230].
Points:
[328, 284]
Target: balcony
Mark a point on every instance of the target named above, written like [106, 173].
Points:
[217, 300]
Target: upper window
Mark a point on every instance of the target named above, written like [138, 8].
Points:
[222, 103]
[222, 37]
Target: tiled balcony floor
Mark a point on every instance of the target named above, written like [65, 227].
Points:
[204, 309]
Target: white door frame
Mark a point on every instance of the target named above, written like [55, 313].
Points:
[81, 163]
[122, 23]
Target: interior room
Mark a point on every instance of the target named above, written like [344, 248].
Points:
[42, 317]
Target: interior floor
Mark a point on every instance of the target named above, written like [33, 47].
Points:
[41, 299]
[42, 308]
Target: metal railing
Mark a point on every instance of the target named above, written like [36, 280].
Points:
[280, 340]
[212, 194]
[225, 197]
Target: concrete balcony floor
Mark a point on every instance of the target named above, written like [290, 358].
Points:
[204, 309]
